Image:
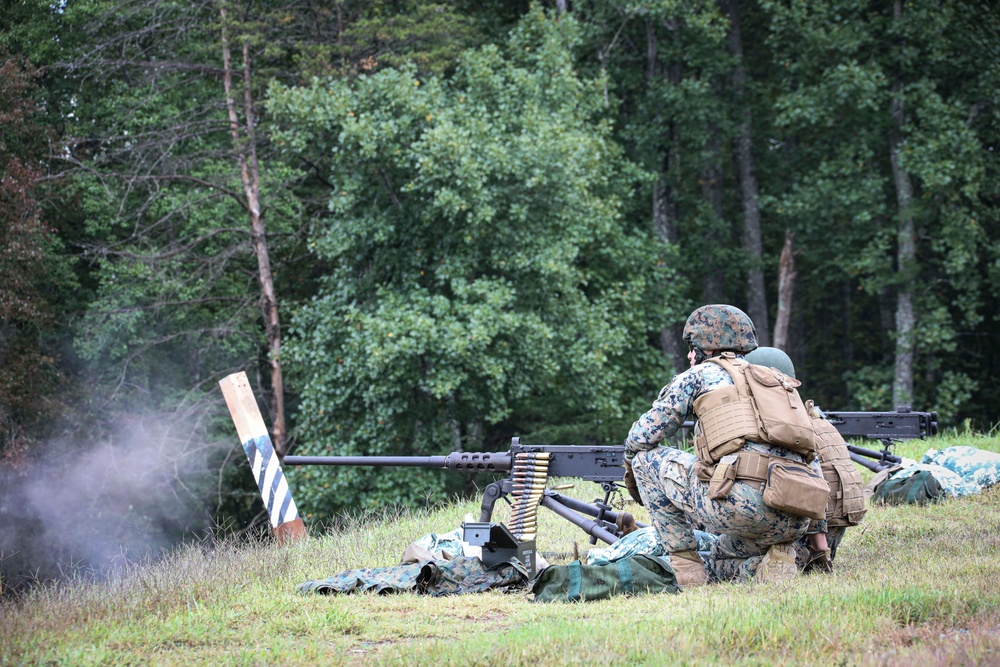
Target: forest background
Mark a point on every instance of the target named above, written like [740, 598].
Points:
[431, 226]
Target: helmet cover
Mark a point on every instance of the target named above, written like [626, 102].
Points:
[720, 327]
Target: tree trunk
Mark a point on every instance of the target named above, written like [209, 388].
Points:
[713, 284]
[756, 297]
[846, 326]
[786, 288]
[906, 252]
[665, 208]
[250, 175]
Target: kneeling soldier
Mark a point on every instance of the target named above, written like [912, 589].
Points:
[846, 505]
[754, 482]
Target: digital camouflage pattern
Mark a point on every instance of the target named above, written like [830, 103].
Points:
[678, 503]
[720, 327]
[673, 406]
[436, 578]
[642, 542]
[834, 536]
[976, 467]
[444, 545]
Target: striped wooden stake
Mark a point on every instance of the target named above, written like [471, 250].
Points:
[285, 520]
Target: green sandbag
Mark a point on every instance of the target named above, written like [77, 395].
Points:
[919, 488]
[635, 575]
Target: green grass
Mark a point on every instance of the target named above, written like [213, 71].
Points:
[913, 585]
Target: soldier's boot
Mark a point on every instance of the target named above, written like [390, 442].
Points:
[819, 561]
[778, 564]
[689, 568]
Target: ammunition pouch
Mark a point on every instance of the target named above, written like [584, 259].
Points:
[846, 506]
[747, 467]
[723, 477]
[793, 488]
[786, 485]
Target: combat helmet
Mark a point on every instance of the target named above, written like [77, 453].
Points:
[720, 327]
[773, 357]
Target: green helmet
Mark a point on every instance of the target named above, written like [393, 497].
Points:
[720, 327]
[773, 357]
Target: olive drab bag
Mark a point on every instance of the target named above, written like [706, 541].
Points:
[846, 506]
[763, 405]
[919, 488]
[633, 575]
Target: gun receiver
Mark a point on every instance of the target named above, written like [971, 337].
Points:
[886, 427]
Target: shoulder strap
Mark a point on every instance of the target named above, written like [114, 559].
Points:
[575, 580]
[625, 575]
[736, 368]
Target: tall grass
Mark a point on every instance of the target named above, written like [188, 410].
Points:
[913, 585]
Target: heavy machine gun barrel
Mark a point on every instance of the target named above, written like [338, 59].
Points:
[456, 461]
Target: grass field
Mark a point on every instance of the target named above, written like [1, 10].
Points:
[912, 586]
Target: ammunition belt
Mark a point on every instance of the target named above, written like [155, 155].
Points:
[530, 474]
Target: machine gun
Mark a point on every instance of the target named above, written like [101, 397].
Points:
[886, 427]
[528, 467]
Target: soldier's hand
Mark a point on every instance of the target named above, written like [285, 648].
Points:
[626, 523]
[819, 561]
[631, 485]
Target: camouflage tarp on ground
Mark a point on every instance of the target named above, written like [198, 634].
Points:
[976, 466]
[439, 577]
[642, 542]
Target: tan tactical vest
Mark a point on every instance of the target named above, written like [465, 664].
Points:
[762, 405]
[846, 506]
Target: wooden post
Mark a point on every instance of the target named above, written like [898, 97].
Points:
[250, 427]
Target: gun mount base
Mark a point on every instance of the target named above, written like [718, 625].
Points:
[499, 544]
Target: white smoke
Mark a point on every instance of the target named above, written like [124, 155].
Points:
[142, 487]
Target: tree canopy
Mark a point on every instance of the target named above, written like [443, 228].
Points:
[476, 260]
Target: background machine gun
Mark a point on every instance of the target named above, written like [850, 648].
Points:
[886, 427]
[528, 468]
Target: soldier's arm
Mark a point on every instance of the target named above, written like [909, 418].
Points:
[666, 415]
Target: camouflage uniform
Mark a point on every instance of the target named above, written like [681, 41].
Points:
[678, 500]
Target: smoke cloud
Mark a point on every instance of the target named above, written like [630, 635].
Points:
[146, 485]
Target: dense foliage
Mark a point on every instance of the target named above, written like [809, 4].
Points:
[448, 223]
[476, 263]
